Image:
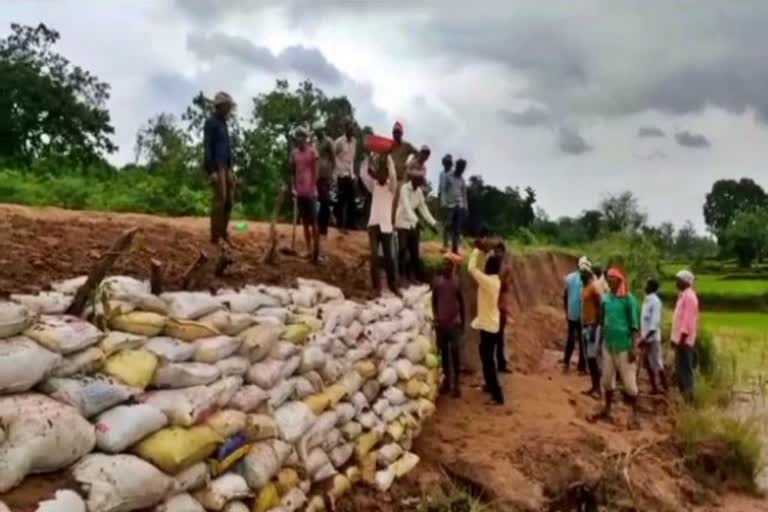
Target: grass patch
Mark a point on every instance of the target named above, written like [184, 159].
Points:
[455, 498]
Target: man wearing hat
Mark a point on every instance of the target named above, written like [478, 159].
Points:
[685, 322]
[345, 150]
[325, 165]
[217, 161]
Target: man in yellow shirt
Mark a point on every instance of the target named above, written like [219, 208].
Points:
[488, 318]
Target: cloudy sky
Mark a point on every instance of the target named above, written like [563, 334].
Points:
[577, 99]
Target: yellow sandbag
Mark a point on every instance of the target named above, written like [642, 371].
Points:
[259, 427]
[219, 467]
[368, 469]
[174, 449]
[341, 486]
[296, 333]
[227, 423]
[365, 444]
[366, 369]
[287, 479]
[396, 430]
[267, 499]
[353, 474]
[318, 403]
[316, 504]
[426, 408]
[335, 394]
[413, 389]
[314, 323]
[432, 361]
[139, 322]
[405, 464]
[133, 367]
[188, 330]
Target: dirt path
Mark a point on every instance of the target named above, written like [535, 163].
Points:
[524, 456]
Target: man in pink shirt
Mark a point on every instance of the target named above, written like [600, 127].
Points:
[684, 328]
[304, 172]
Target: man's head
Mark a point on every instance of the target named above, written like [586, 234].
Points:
[301, 137]
[223, 103]
[397, 132]
[493, 265]
[651, 286]
[447, 163]
[500, 249]
[349, 128]
[585, 269]
[617, 282]
[382, 172]
[598, 271]
[416, 178]
[423, 155]
[685, 279]
[461, 166]
[451, 262]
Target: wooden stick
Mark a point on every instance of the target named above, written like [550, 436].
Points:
[119, 246]
[269, 257]
[156, 276]
[193, 272]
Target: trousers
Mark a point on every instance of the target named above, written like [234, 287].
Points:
[501, 358]
[222, 198]
[574, 336]
[375, 239]
[449, 342]
[409, 259]
[488, 343]
[345, 203]
[684, 370]
[324, 198]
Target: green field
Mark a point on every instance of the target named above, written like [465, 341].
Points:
[727, 291]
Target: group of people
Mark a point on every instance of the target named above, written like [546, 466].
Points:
[613, 333]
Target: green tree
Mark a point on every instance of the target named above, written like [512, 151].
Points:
[621, 213]
[166, 147]
[727, 198]
[49, 107]
[747, 236]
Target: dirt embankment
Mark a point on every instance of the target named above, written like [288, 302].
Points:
[524, 456]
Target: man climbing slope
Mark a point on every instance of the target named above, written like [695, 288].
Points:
[217, 161]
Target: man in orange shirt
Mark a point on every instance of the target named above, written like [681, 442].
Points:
[591, 310]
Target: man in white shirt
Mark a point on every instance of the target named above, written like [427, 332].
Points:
[650, 330]
[410, 205]
[345, 148]
[377, 173]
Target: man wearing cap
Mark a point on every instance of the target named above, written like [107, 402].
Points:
[217, 161]
[447, 168]
[345, 149]
[572, 303]
[304, 173]
[685, 322]
[325, 166]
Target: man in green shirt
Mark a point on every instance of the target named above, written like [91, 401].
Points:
[620, 325]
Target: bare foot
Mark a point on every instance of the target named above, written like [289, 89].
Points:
[603, 415]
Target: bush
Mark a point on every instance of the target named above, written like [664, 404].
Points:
[636, 255]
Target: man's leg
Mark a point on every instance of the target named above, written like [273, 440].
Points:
[414, 240]
[570, 344]
[590, 338]
[389, 262]
[686, 372]
[229, 201]
[487, 348]
[324, 214]
[374, 234]
[582, 366]
[501, 359]
[402, 254]
[608, 383]
[457, 218]
[446, 226]
[628, 373]
[456, 357]
[444, 343]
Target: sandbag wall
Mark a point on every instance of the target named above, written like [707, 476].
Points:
[259, 399]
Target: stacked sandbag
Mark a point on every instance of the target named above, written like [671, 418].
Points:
[263, 398]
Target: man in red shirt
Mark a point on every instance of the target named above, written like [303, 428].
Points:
[304, 176]
[448, 312]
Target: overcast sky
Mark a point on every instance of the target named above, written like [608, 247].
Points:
[577, 99]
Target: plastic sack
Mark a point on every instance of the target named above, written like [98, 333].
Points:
[318, 433]
[141, 323]
[281, 393]
[281, 314]
[388, 377]
[224, 390]
[331, 371]
[69, 286]
[318, 403]
[345, 412]
[227, 423]
[304, 296]
[182, 375]
[259, 427]
[290, 367]
[64, 334]
[220, 491]
[248, 398]
[266, 373]
[391, 413]
[365, 444]
[359, 401]
[257, 341]
[188, 330]
[371, 390]
[432, 362]
[235, 365]
[64, 500]
[381, 331]
[304, 388]
[293, 500]
[133, 367]
[190, 305]
[14, 318]
[228, 323]
[293, 420]
[44, 303]
[351, 430]
[236, 506]
[267, 499]
[89, 395]
[118, 483]
[170, 350]
[416, 351]
[24, 363]
[193, 478]
[405, 464]
[40, 435]
[183, 407]
[124, 425]
[384, 479]
[366, 369]
[388, 454]
[341, 454]
[296, 333]
[332, 439]
[116, 341]
[244, 302]
[263, 462]
[404, 369]
[173, 449]
[210, 350]
[381, 405]
[283, 350]
[395, 396]
[180, 503]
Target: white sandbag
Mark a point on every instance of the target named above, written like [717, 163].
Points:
[315, 460]
[331, 371]
[312, 358]
[392, 306]
[122, 286]
[304, 296]
[64, 334]
[248, 398]
[388, 454]
[352, 382]
[64, 500]
[293, 500]
[354, 331]
[14, 318]
[183, 407]
[332, 439]
[368, 420]
[339, 349]
[257, 341]
[283, 295]
[303, 387]
[227, 322]
[124, 425]
[235, 365]
[345, 411]
[170, 350]
[371, 390]
[281, 393]
[23, 363]
[69, 286]
[225, 389]
[341, 315]
[327, 292]
[395, 396]
[388, 377]
[89, 395]
[381, 331]
[293, 420]
[380, 406]
[236, 506]
[283, 350]
[341, 454]
[280, 314]
[404, 338]
[180, 503]
[290, 367]
[391, 413]
[263, 462]
[268, 321]
[227, 423]
[210, 350]
[315, 436]
[260, 427]
[368, 315]
[193, 478]
[183, 375]
[404, 369]
[227, 487]
[115, 341]
[360, 352]
[44, 303]
[245, 302]
[40, 435]
[388, 353]
[190, 305]
[384, 479]
[265, 374]
[359, 401]
[351, 430]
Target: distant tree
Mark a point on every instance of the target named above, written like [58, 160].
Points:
[747, 236]
[592, 222]
[501, 211]
[621, 213]
[49, 107]
[165, 146]
[729, 197]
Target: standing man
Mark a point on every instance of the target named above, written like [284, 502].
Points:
[217, 160]
[487, 319]
[304, 180]
[448, 312]
[500, 250]
[411, 203]
[447, 168]
[572, 303]
[591, 313]
[455, 195]
[685, 325]
[345, 148]
[378, 175]
[325, 164]
[401, 152]
[620, 326]
[650, 330]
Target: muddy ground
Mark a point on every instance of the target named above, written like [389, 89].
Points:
[534, 454]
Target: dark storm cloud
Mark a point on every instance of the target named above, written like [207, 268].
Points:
[692, 140]
[531, 116]
[649, 132]
[571, 142]
[311, 62]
